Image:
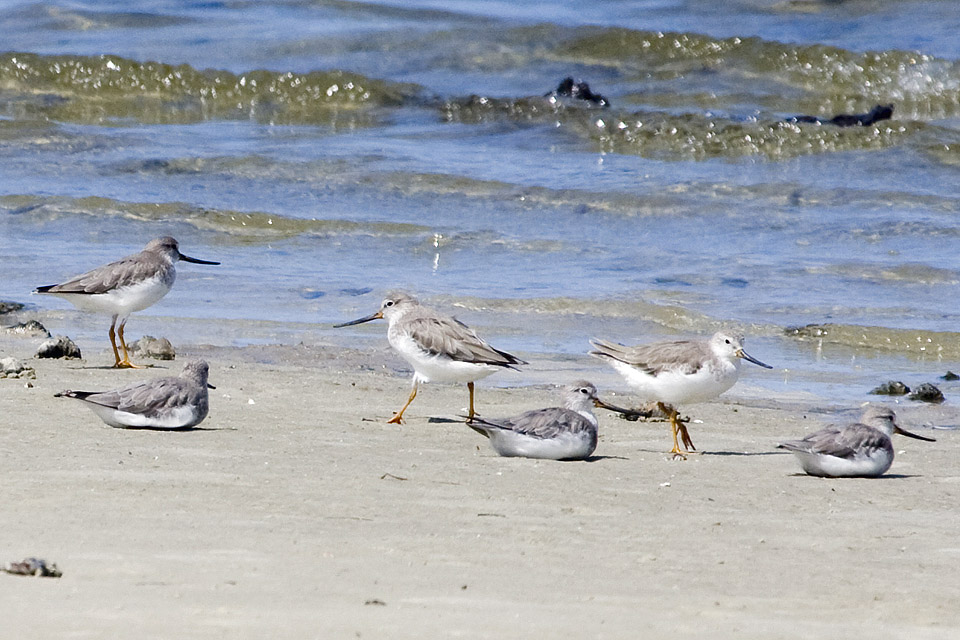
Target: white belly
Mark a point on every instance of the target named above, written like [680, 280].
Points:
[176, 418]
[568, 446]
[872, 465]
[440, 368]
[121, 301]
[677, 388]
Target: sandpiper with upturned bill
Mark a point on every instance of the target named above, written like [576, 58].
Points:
[674, 372]
[119, 288]
[557, 433]
[862, 449]
[439, 347]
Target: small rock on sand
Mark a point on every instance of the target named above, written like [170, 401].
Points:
[58, 347]
[29, 329]
[13, 368]
[156, 348]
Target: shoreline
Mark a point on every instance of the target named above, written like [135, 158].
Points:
[302, 513]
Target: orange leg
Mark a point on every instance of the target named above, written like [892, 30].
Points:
[471, 413]
[677, 427]
[687, 442]
[398, 416]
[113, 343]
[125, 364]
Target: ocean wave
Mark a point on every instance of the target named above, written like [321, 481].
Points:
[243, 226]
[827, 79]
[938, 344]
[94, 88]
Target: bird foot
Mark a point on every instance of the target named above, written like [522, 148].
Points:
[126, 364]
[396, 419]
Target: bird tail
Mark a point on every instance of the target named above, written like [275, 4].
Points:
[605, 349]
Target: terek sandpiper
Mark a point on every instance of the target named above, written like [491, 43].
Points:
[861, 449]
[438, 347]
[174, 402]
[127, 285]
[677, 372]
[557, 433]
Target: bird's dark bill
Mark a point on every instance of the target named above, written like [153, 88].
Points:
[904, 432]
[746, 356]
[196, 260]
[372, 316]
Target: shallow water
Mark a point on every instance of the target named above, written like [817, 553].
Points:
[326, 152]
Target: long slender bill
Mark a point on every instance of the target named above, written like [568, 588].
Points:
[196, 260]
[904, 432]
[372, 316]
[746, 356]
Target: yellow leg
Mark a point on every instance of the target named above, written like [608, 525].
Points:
[677, 427]
[470, 413]
[125, 363]
[113, 343]
[687, 442]
[398, 416]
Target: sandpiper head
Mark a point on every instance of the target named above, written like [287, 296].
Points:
[730, 347]
[884, 419]
[582, 395]
[169, 247]
[197, 370]
[394, 305]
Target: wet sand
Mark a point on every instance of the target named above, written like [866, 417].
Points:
[296, 512]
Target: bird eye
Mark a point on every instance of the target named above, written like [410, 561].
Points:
[727, 340]
[583, 390]
[388, 303]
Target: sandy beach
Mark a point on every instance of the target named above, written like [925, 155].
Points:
[296, 512]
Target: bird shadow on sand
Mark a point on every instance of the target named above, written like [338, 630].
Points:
[110, 367]
[741, 453]
[886, 476]
[178, 430]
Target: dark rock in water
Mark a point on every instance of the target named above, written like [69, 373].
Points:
[926, 392]
[578, 90]
[878, 113]
[9, 307]
[33, 567]
[30, 329]
[950, 376]
[156, 348]
[892, 388]
[59, 347]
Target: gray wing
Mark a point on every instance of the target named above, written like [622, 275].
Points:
[445, 335]
[153, 397]
[129, 270]
[543, 423]
[841, 442]
[144, 398]
[685, 356]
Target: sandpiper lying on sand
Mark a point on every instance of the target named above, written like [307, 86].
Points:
[175, 402]
[861, 449]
